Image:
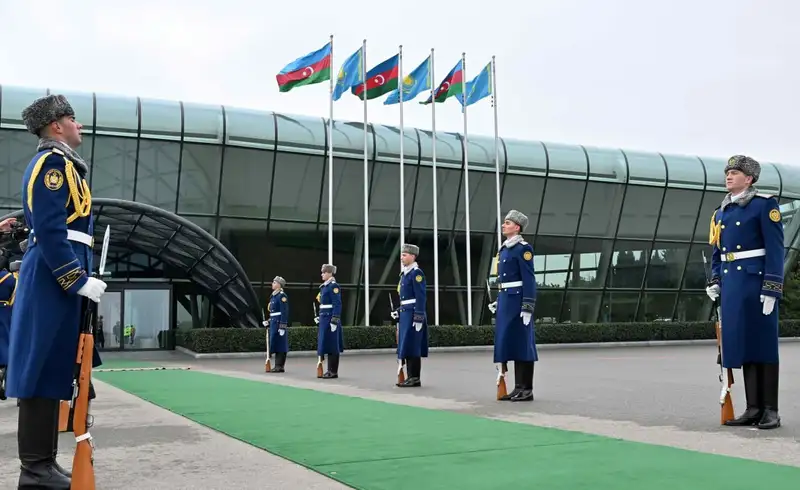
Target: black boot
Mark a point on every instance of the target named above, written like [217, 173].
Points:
[280, 361]
[35, 434]
[57, 466]
[518, 377]
[526, 394]
[768, 383]
[333, 367]
[414, 368]
[2, 383]
[753, 413]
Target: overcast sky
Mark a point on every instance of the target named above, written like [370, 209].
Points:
[705, 77]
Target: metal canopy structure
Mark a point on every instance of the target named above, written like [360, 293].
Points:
[182, 245]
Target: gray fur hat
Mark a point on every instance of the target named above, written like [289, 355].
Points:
[518, 218]
[44, 111]
[744, 164]
[329, 268]
[280, 281]
[408, 248]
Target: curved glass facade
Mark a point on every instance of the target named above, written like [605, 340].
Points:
[619, 235]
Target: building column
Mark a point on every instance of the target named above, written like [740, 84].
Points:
[462, 312]
[355, 273]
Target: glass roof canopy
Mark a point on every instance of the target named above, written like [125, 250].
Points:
[181, 244]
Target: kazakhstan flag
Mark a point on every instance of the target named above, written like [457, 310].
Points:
[479, 87]
[413, 84]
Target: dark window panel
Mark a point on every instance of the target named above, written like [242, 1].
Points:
[207, 223]
[526, 156]
[348, 189]
[202, 123]
[200, 168]
[483, 203]
[246, 182]
[601, 209]
[300, 299]
[348, 140]
[523, 193]
[384, 205]
[296, 251]
[157, 177]
[423, 201]
[693, 307]
[607, 164]
[551, 260]
[245, 240]
[448, 182]
[667, 262]
[640, 212]
[161, 119]
[646, 168]
[628, 264]
[17, 149]
[449, 150]
[387, 139]
[566, 161]
[589, 267]
[790, 175]
[295, 194]
[618, 307]
[482, 250]
[656, 307]
[250, 128]
[581, 306]
[114, 167]
[711, 201]
[562, 205]
[678, 215]
[548, 305]
[117, 115]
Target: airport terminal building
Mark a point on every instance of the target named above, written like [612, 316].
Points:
[208, 203]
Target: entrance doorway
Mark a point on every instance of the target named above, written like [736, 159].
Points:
[134, 318]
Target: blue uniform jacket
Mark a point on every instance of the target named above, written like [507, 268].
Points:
[8, 287]
[411, 289]
[47, 310]
[513, 340]
[747, 262]
[330, 314]
[278, 320]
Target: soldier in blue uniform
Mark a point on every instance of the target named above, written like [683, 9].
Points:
[278, 324]
[8, 288]
[412, 342]
[746, 236]
[53, 279]
[330, 340]
[514, 333]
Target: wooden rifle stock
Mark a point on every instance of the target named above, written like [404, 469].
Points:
[726, 378]
[83, 461]
[502, 390]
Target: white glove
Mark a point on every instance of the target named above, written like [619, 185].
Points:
[93, 289]
[395, 315]
[281, 332]
[526, 317]
[493, 307]
[333, 327]
[265, 323]
[316, 320]
[418, 326]
[769, 304]
[713, 292]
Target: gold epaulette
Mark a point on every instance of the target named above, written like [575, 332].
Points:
[714, 231]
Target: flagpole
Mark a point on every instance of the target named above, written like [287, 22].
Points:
[466, 187]
[330, 161]
[402, 138]
[435, 199]
[366, 187]
[496, 156]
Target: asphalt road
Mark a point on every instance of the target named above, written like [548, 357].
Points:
[662, 395]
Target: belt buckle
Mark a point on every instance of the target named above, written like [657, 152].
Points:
[730, 256]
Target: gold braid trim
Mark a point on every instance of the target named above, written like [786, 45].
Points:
[714, 231]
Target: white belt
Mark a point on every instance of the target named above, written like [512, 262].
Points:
[515, 284]
[408, 301]
[275, 314]
[325, 307]
[747, 254]
[75, 236]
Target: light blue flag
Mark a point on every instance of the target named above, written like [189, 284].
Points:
[479, 87]
[350, 74]
[413, 84]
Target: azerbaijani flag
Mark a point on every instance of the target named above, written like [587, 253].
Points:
[307, 70]
[380, 80]
[450, 86]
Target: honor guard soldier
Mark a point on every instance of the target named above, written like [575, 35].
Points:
[53, 278]
[330, 340]
[412, 344]
[8, 289]
[514, 334]
[746, 236]
[278, 324]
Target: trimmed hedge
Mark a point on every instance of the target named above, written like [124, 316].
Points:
[213, 340]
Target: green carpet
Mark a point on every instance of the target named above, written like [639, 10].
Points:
[372, 445]
[123, 364]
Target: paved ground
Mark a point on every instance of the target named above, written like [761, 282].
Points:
[138, 445]
[662, 395]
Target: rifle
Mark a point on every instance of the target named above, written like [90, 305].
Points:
[401, 376]
[725, 375]
[319, 358]
[83, 461]
[267, 363]
[502, 368]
